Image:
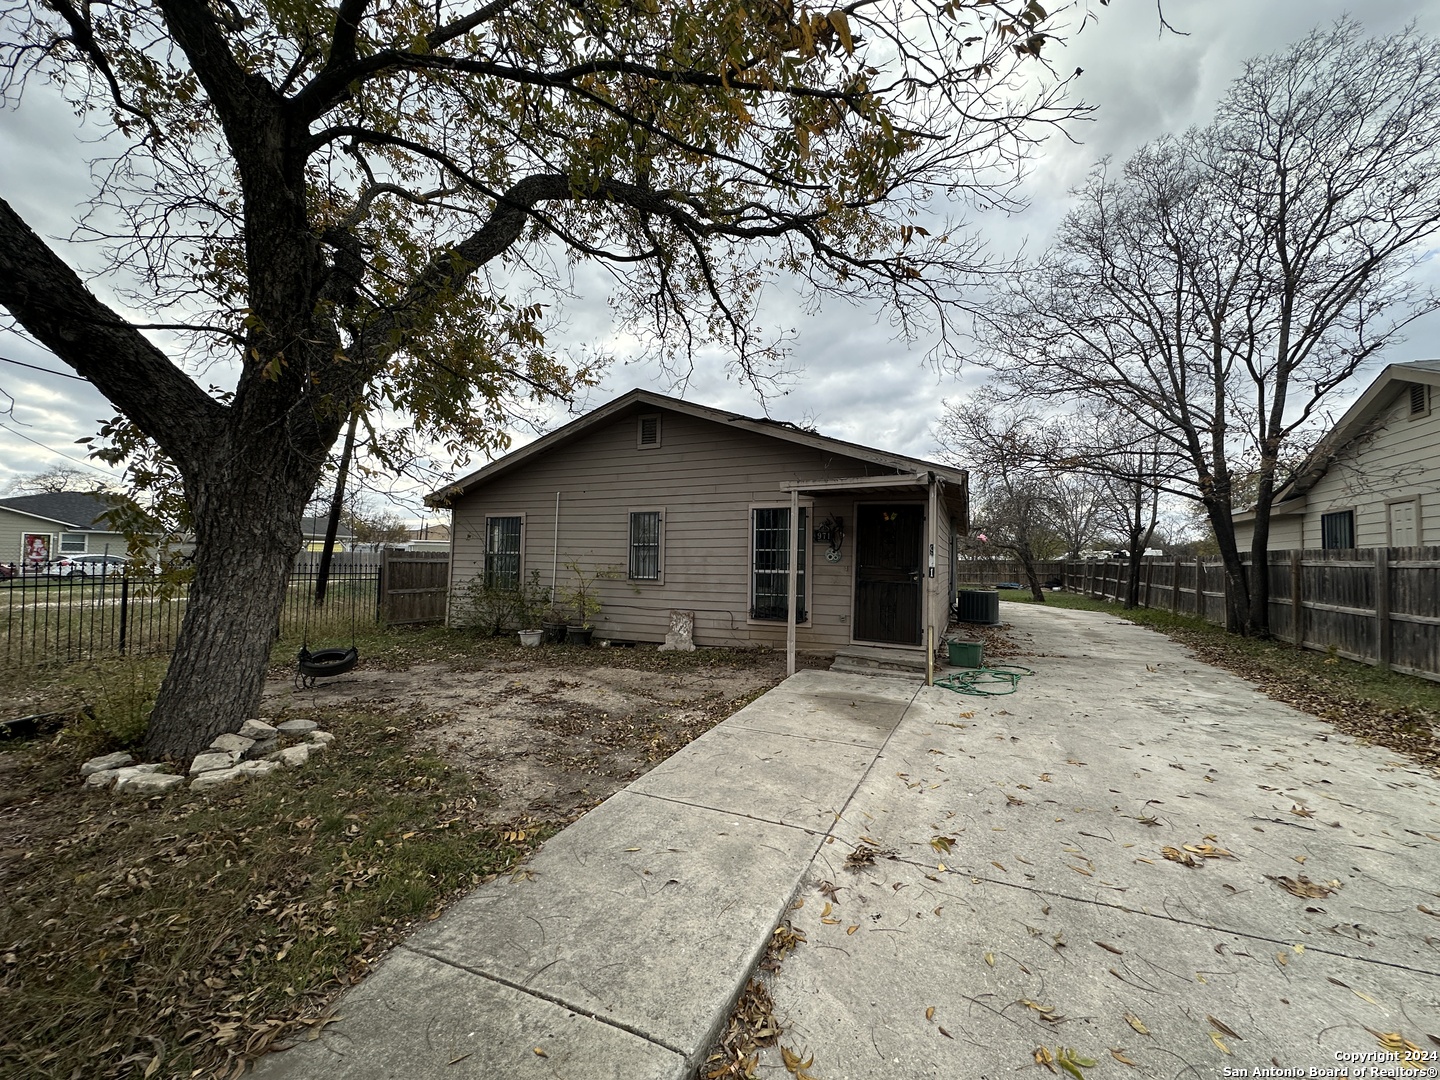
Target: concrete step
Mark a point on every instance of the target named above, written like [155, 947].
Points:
[864, 660]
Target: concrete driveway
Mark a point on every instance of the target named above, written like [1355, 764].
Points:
[1298, 934]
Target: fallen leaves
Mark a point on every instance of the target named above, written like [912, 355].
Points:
[1047, 1012]
[1224, 1028]
[795, 1065]
[865, 853]
[1136, 1023]
[1066, 1057]
[1184, 858]
[1407, 1053]
[1303, 886]
[942, 844]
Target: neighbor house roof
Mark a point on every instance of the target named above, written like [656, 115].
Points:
[314, 525]
[77, 512]
[1356, 420]
[647, 399]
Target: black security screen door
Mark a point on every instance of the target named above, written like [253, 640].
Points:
[889, 550]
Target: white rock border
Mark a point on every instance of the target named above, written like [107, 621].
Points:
[255, 751]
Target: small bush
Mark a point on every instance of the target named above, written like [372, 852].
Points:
[118, 695]
[495, 610]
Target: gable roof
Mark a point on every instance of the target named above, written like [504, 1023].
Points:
[644, 398]
[77, 512]
[1378, 396]
[315, 525]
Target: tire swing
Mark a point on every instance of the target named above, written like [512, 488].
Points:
[324, 663]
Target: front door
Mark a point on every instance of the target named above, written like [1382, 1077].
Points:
[889, 573]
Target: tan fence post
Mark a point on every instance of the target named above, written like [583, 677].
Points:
[1199, 587]
[1382, 607]
[1175, 588]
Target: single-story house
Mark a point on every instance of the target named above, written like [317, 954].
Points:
[312, 530]
[1374, 480]
[689, 509]
[35, 528]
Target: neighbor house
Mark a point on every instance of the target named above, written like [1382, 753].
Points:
[35, 528]
[689, 508]
[1374, 480]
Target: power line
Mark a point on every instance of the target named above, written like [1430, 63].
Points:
[32, 367]
[61, 453]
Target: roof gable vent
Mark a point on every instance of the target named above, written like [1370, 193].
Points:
[648, 436]
[1419, 399]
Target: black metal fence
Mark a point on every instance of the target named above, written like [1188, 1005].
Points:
[61, 620]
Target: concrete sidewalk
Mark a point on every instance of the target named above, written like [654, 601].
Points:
[1057, 920]
[622, 951]
[1054, 919]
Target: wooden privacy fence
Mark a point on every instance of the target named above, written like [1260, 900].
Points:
[1379, 606]
[413, 586]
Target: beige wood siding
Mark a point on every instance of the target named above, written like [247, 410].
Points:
[1401, 460]
[1285, 533]
[1398, 460]
[704, 476]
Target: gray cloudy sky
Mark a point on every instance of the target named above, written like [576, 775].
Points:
[853, 380]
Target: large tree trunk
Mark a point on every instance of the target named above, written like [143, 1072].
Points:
[1027, 562]
[247, 534]
[1132, 584]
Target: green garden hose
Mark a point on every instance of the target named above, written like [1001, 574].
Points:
[974, 681]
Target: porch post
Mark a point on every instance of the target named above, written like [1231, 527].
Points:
[790, 582]
[934, 624]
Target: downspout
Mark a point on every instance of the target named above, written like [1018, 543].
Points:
[555, 557]
[790, 582]
[931, 581]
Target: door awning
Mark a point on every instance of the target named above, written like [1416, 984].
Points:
[952, 491]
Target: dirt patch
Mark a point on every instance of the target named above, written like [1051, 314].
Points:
[541, 739]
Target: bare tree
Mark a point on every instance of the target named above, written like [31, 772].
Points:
[60, 478]
[1226, 282]
[1016, 509]
[371, 205]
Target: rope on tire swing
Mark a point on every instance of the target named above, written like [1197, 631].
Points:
[326, 663]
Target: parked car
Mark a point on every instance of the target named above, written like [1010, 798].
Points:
[97, 565]
[100, 565]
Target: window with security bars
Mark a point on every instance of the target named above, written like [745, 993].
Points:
[645, 545]
[1337, 530]
[770, 564]
[502, 553]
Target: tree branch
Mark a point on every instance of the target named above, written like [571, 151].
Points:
[56, 307]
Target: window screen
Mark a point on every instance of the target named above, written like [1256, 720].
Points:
[1337, 530]
[72, 542]
[645, 545]
[502, 553]
[770, 561]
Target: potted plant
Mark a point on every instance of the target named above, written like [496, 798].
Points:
[531, 601]
[552, 625]
[583, 601]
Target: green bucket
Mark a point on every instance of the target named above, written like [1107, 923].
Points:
[966, 654]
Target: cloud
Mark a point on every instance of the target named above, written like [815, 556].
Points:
[854, 381]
